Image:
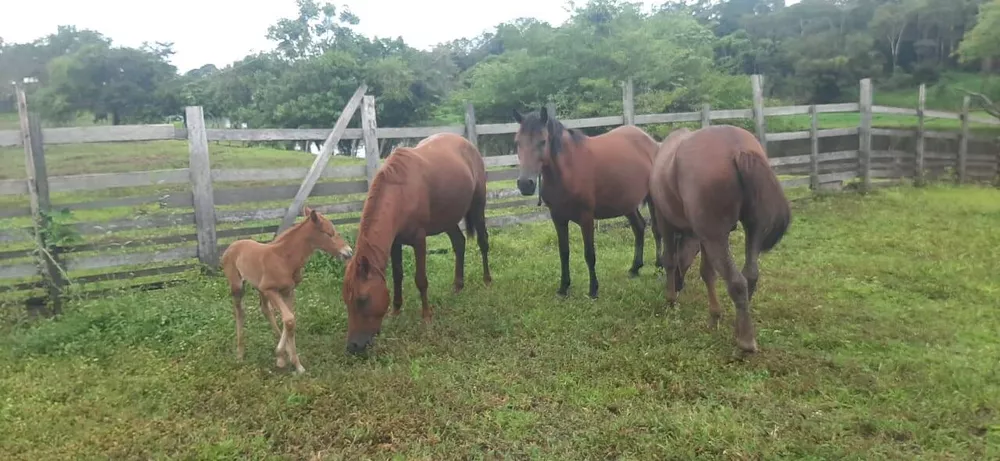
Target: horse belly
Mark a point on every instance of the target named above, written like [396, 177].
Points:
[620, 190]
[450, 200]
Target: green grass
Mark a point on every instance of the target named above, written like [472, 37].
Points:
[876, 317]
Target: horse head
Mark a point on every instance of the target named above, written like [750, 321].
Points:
[538, 139]
[324, 236]
[367, 299]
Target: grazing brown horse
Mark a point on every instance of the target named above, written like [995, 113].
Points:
[275, 269]
[584, 178]
[418, 192]
[703, 183]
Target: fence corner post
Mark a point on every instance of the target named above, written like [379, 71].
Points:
[963, 142]
[706, 115]
[200, 171]
[865, 135]
[813, 148]
[628, 102]
[369, 130]
[470, 125]
[919, 168]
[757, 82]
[38, 191]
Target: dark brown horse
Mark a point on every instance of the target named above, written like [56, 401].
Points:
[418, 192]
[584, 178]
[703, 183]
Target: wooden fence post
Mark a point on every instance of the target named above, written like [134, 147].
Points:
[38, 192]
[813, 148]
[319, 164]
[921, 105]
[865, 135]
[757, 82]
[200, 171]
[963, 142]
[369, 131]
[628, 102]
[470, 125]
[706, 115]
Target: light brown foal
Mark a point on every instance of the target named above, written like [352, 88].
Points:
[275, 269]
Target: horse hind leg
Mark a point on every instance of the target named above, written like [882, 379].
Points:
[717, 251]
[655, 225]
[268, 312]
[236, 290]
[638, 225]
[589, 253]
[458, 246]
[708, 276]
[483, 239]
[751, 270]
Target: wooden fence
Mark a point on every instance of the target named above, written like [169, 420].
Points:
[148, 224]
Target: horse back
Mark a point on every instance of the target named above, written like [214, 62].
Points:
[452, 174]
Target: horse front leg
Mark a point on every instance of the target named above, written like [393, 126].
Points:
[562, 234]
[587, 229]
[396, 255]
[639, 231]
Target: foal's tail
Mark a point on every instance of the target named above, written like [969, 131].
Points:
[765, 213]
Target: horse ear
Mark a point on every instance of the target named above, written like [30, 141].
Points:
[517, 116]
[306, 210]
[544, 115]
[313, 217]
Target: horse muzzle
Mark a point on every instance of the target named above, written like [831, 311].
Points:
[526, 186]
[359, 343]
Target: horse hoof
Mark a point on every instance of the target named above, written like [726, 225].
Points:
[395, 312]
[457, 289]
[748, 347]
[281, 362]
[633, 273]
[299, 370]
[563, 292]
[488, 282]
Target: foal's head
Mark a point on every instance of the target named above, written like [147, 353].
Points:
[538, 139]
[324, 236]
[367, 299]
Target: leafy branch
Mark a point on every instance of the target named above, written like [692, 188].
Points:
[984, 102]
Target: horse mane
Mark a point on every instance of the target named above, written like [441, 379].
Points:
[393, 172]
[532, 123]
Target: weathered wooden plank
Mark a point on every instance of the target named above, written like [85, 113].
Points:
[120, 133]
[277, 213]
[319, 164]
[274, 134]
[501, 160]
[729, 114]
[963, 140]
[984, 120]
[200, 173]
[613, 120]
[834, 132]
[103, 261]
[797, 182]
[14, 187]
[497, 128]
[10, 138]
[99, 181]
[165, 270]
[942, 114]
[792, 136]
[813, 148]
[757, 82]
[835, 108]
[512, 220]
[419, 132]
[369, 128]
[790, 160]
[16, 271]
[650, 119]
[838, 155]
[502, 175]
[628, 102]
[894, 110]
[285, 174]
[921, 135]
[171, 200]
[15, 212]
[269, 193]
[841, 176]
[470, 125]
[865, 134]
[786, 110]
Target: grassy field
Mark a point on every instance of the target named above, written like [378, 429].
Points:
[876, 316]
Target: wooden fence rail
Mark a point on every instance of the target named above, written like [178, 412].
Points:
[197, 208]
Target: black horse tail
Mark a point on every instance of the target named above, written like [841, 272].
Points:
[765, 213]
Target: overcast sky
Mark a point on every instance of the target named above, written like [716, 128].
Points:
[223, 31]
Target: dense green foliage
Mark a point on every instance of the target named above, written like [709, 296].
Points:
[681, 54]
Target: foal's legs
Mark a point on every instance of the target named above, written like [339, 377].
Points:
[458, 245]
[269, 314]
[638, 229]
[236, 289]
[587, 229]
[396, 255]
[287, 342]
[420, 253]
[717, 251]
[562, 234]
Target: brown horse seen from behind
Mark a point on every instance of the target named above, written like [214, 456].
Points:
[418, 192]
[586, 178]
[275, 269]
[703, 183]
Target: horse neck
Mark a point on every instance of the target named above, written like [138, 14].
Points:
[564, 168]
[380, 222]
[293, 245]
